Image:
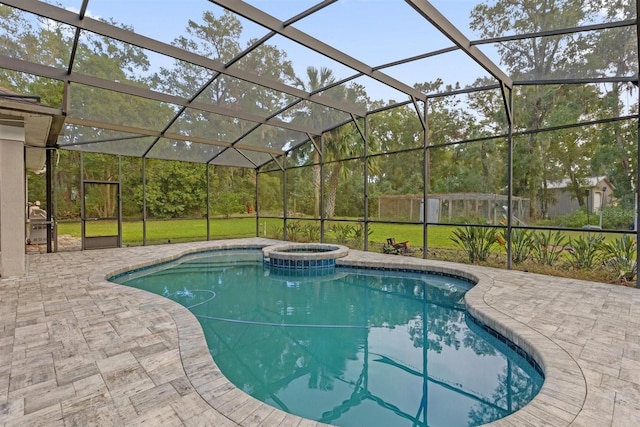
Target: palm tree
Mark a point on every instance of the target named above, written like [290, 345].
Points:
[339, 143]
[318, 117]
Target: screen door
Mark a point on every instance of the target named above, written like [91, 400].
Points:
[101, 218]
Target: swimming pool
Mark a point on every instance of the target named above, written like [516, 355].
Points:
[348, 347]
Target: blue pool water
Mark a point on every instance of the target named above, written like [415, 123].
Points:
[351, 347]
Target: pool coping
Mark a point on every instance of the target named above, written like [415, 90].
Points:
[581, 333]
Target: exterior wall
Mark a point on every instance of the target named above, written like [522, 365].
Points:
[12, 202]
[565, 203]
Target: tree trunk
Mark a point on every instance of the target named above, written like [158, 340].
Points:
[624, 158]
[316, 180]
[334, 180]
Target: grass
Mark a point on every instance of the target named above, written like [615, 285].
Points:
[162, 231]
[166, 231]
[179, 230]
[438, 235]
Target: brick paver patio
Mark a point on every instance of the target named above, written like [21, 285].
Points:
[78, 350]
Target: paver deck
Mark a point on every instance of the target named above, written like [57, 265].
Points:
[78, 350]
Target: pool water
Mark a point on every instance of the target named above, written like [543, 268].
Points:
[353, 347]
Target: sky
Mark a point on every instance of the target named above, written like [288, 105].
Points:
[375, 32]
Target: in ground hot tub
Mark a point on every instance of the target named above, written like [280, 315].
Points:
[303, 256]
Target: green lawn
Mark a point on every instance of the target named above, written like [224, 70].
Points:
[182, 230]
[438, 235]
[196, 229]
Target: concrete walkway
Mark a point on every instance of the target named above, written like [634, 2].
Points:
[77, 350]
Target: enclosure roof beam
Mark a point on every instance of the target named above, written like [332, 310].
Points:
[57, 74]
[158, 134]
[417, 57]
[237, 58]
[587, 80]
[70, 18]
[258, 16]
[431, 14]
[557, 32]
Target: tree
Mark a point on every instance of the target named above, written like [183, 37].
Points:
[270, 193]
[396, 129]
[337, 144]
[218, 38]
[48, 42]
[175, 189]
[228, 203]
[238, 182]
[318, 117]
[41, 41]
[100, 200]
[537, 58]
[615, 53]
[399, 130]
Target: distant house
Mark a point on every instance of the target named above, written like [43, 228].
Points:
[598, 191]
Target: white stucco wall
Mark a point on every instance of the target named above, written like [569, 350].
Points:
[12, 202]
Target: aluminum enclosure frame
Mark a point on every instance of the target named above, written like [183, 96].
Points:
[83, 23]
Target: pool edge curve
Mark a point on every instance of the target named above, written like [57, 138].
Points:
[561, 396]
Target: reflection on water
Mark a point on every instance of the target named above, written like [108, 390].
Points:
[352, 348]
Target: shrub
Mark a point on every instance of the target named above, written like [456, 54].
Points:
[577, 219]
[357, 234]
[585, 252]
[620, 256]
[475, 241]
[613, 217]
[228, 203]
[342, 232]
[294, 229]
[521, 244]
[547, 247]
[275, 232]
[311, 232]
[617, 217]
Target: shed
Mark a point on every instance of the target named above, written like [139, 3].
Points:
[597, 190]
